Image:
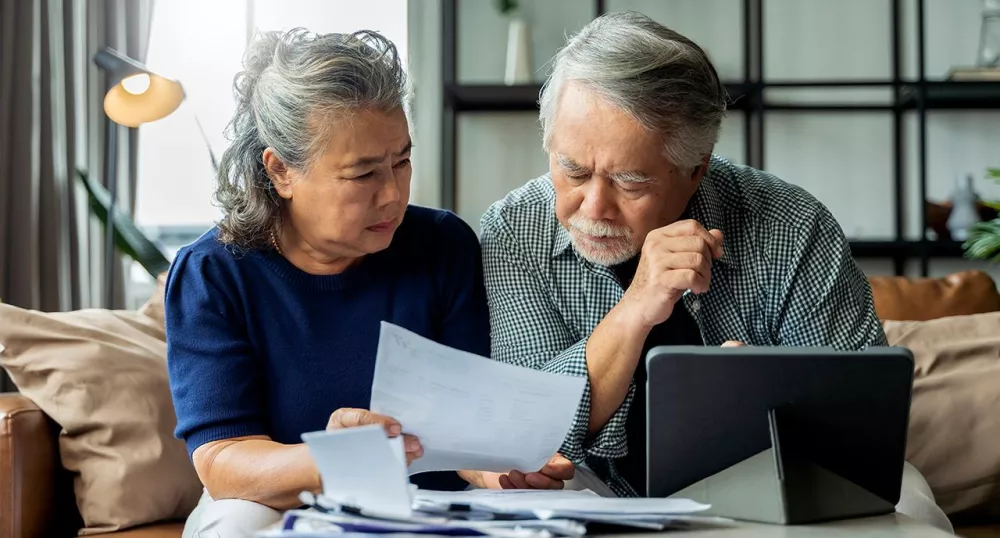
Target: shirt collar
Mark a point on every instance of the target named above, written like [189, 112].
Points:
[561, 242]
[705, 206]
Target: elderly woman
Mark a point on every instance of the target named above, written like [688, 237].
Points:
[273, 316]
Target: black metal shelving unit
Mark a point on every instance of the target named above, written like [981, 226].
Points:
[747, 97]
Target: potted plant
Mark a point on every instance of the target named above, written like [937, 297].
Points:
[984, 237]
[129, 239]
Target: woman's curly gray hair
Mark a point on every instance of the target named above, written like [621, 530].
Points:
[291, 84]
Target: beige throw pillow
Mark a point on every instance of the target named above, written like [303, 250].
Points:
[101, 375]
[954, 436]
[153, 308]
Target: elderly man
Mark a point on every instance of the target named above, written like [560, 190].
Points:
[640, 237]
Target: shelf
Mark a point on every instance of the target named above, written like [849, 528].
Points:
[909, 249]
[493, 97]
[524, 97]
[953, 95]
[893, 97]
[743, 96]
[944, 249]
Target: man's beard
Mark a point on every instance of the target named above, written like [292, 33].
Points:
[616, 248]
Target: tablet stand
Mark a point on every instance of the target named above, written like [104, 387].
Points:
[781, 485]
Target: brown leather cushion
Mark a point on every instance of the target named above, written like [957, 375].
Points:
[27, 455]
[33, 485]
[920, 299]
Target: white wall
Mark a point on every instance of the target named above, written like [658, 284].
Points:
[497, 152]
[425, 77]
[844, 159]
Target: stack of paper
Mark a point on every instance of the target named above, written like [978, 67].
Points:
[556, 501]
[315, 523]
[363, 468]
[469, 413]
[504, 514]
[570, 505]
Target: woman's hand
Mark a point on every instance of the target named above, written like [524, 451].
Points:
[351, 418]
[553, 475]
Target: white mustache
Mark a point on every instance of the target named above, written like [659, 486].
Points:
[598, 228]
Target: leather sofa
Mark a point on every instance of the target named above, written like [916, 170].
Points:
[36, 493]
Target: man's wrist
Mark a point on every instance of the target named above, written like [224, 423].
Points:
[627, 315]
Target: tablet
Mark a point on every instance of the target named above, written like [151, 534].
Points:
[779, 434]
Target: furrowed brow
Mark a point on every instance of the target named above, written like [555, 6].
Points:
[630, 176]
[571, 166]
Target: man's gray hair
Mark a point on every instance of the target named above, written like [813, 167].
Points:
[294, 84]
[659, 77]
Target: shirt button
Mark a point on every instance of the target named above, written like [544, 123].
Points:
[696, 305]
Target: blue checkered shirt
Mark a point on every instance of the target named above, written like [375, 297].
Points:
[786, 278]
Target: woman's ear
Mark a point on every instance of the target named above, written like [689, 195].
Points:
[278, 173]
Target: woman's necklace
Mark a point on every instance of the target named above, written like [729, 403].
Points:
[274, 242]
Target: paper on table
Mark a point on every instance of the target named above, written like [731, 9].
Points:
[363, 468]
[561, 502]
[471, 412]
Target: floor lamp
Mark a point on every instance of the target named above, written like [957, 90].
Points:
[135, 96]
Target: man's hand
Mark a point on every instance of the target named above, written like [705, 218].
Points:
[553, 475]
[674, 259]
[352, 418]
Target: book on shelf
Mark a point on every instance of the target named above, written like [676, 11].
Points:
[963, 74]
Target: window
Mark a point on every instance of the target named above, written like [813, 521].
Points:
[201, 44]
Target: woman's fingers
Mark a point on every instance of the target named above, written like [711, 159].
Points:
[412, 445]
[347, 417]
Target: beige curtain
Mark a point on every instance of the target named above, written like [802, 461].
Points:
[51, 123]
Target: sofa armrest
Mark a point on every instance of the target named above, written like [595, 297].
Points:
[28, 461]
[921, 299]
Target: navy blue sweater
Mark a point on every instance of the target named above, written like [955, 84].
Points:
[256, 346]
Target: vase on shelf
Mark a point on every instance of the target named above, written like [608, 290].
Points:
[964, 210]
[989, 36]
[518, 53]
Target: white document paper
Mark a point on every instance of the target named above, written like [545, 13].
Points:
[363, 468]
[471, 412]
[559, 503]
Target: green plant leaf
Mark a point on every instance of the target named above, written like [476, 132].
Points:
[211, 154]
[991, 205]
[984, 241]
[993, 173]
[128, 238]
[506, 6]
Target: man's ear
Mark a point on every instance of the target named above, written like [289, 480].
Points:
[698, 172]
[278, 173]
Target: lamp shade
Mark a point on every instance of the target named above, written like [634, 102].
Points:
[137, 95]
